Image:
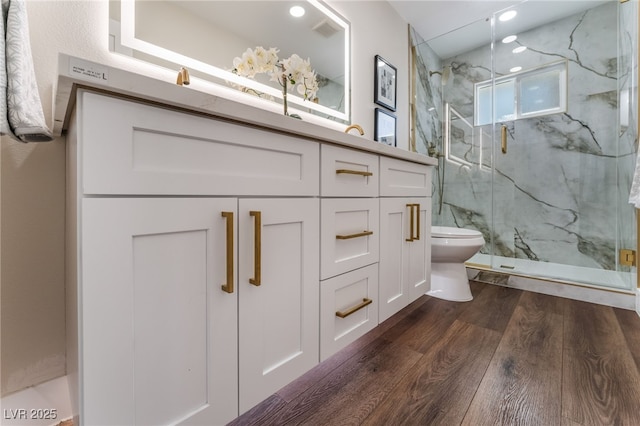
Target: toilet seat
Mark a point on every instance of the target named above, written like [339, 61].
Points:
[450, 232]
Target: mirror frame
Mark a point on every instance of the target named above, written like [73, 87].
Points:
[128, 39]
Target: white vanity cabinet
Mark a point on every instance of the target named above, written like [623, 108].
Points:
[216, 252]
[197, 283]
[405, 232]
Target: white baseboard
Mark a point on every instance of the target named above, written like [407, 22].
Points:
[46, 404]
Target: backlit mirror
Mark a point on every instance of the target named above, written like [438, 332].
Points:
[206, 36]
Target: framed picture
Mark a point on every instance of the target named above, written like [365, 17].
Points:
[385, 127]
[385, 84]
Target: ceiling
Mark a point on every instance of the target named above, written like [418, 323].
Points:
[455, 26]
[433, 18]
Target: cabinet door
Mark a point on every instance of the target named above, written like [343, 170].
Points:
[158, 337]
[419, 250]
[394, 260]
[279, 318]
[405, 252]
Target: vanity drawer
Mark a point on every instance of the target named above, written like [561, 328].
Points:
[348, 173]
[133, 148]
[349, 234]
[404, 179]
[345, 310]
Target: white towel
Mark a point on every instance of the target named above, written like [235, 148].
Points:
[21, 115]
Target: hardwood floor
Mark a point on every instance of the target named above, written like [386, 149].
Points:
[509, 357]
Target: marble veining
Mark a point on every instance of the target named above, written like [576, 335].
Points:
[560, 193]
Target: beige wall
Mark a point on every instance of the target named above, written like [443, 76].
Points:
[32, 187]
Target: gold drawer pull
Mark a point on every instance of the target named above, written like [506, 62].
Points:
[344, 314]
[257, 248]
[228, 287]
[348, 237]
[353, 172]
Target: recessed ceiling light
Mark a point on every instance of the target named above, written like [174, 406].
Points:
[296, 11]
[519, 49]
[509, 39]
[507, 15]
[515, 69]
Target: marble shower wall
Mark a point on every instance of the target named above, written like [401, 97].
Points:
[427, 103]
[560, 193]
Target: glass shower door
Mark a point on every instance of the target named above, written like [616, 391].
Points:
[554, 101]
[560, 95]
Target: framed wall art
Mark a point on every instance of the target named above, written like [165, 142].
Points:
[385, 83]
[385, 127]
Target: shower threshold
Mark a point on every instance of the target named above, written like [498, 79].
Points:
[616, 281]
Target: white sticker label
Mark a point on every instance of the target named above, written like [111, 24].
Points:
[88, 70]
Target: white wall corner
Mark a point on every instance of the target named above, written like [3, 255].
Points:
[46, 404]
[638, 301]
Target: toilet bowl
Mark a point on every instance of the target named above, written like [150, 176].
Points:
[450, 248]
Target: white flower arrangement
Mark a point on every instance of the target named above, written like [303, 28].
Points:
[291, 72]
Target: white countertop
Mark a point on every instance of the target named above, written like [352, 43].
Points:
[74, 73]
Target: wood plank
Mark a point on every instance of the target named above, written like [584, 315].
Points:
[601, 384]
[258, 414]
[347, 396]
[523, 382]
[630, 324]
[492, 308]
[441, 386]
[428, 324]
[476, 287]
[300, 385]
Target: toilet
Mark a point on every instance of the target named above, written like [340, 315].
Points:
[450, 248]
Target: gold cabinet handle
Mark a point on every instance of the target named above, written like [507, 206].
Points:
[353, 172]
[411, 222]
[503, 138]
[257, 248]
[417, 206]
[359, 234]
[344, 314]
[228, 287]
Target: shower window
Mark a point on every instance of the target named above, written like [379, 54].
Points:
[532, 93]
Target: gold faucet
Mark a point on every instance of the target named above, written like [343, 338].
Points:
[183, 77]
[355, 126]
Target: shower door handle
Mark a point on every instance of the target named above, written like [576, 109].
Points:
[503, 138]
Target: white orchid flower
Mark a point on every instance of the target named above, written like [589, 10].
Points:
[291, 72]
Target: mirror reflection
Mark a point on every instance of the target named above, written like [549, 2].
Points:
[206, 37]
